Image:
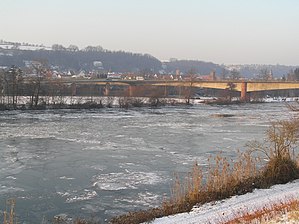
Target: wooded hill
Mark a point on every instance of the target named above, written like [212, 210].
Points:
[127, 62]
[113, 61]
[82, 60]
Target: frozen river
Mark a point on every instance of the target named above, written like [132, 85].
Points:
[86, 163]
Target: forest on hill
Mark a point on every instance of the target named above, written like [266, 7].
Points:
[118, 61]
[71, 58]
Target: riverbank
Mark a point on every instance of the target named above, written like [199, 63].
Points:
[97, 102]
[237, 207]
[87, 102]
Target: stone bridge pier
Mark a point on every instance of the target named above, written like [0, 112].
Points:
[134, 91]
[244, 94]
[131, 90]
[107, 89]
[74, 89]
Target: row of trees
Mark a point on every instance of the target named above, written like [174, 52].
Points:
[37, 91]
[293, 75]
[264, 74]
[10, 84]
[59, 47]
[14, 85]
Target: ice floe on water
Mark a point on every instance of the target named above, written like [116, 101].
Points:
[9, 189]
[147, 199]
[82, 197]
[66, 178]
[11, 177]
[98, 167]
[121, 181]
[75, 196]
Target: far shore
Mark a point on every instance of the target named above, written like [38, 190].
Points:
[96, 102]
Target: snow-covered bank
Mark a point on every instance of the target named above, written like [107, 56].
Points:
[225, 210]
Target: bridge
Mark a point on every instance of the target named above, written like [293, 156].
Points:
[245, 87]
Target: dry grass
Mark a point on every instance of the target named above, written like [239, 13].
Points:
[266, 214]
[223, 179]
[293, 215]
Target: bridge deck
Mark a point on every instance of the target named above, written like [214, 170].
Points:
[225, 84]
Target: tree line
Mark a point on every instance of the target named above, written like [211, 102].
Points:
[17, 90]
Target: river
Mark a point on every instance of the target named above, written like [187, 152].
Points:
[104, 162]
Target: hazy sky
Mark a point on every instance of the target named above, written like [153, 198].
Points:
[221, 31]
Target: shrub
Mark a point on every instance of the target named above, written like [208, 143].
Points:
[280, 171]
[279, 149]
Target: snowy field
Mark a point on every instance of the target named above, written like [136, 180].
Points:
[225, 210]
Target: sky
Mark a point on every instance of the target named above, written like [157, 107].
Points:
[219, 31]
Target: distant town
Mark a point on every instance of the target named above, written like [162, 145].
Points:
[58, 62]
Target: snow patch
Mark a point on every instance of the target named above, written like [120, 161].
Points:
[225, 210]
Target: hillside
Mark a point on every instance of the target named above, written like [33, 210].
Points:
[82, 60]
[193, 66]
[255, 70]
[73, 58]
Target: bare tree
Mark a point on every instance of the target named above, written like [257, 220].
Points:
[73, 48]
[12, 81]
[279, 147]
[34, 83]
[189, 89]
[2, 86]
[264, 74]
[229, 89]
[94, 49]
[58, 47]
[296, 74]
[235, 74]
[55, 91]
[224, 73]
